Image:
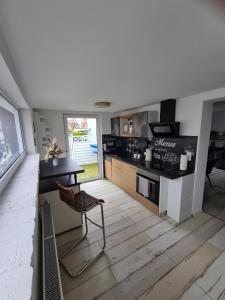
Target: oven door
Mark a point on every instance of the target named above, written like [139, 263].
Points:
[147, 188]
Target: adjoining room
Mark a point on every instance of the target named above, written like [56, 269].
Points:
[214, 195]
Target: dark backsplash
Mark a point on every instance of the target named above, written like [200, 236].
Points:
[168, 150]
[126, 147]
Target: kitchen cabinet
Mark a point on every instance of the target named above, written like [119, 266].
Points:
[117, 172]
[108, 169]
[129, 179]
[136, 125]
[115, 126]
[124, 175]
[126, 127]
[141, 122]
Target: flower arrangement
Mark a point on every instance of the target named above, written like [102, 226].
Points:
[53, 150]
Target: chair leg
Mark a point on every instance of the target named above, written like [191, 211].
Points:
[93, 259]
[103, 227]
[75, 243]
[210, 183]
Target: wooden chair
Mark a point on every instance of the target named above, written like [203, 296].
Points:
[81, 202]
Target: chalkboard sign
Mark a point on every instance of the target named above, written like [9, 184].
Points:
[168, 150]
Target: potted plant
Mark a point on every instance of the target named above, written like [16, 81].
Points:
[53, 151]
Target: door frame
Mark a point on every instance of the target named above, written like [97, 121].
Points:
[98, 136]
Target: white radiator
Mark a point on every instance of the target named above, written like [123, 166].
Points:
[52, 288]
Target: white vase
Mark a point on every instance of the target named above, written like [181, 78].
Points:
[55, 162]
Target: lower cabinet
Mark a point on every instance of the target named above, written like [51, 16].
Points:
[117, 172]
[129, 179]
[124, 176]
[108, 169]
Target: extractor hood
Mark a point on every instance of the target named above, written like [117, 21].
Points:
[167, 127]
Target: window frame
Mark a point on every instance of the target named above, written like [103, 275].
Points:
[5, 178]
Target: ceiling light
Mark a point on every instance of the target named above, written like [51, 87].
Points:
[102, 104]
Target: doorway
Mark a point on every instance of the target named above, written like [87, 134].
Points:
[214, 191]
[83, 144]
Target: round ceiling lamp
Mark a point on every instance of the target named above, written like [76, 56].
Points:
[102, 104]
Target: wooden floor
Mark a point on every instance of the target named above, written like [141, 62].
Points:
[214, 198]
[146, 257]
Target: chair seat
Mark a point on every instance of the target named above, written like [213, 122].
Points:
[83, 201]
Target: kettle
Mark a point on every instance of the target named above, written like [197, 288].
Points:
[148, 154]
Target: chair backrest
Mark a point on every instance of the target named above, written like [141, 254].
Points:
[73, 200]
[210, 164]
[66, 195]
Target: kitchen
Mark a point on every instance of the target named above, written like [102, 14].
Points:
[151, 161]
[175, 205]
[103, 173]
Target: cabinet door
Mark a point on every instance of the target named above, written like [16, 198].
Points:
[140, 124]
[129, 179]
[108, 169]
[117, 172]
[115, 126]
[126, 127]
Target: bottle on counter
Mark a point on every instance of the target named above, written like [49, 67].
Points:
[183, 162]
[148, 154]
[104, 147]
[189, 152]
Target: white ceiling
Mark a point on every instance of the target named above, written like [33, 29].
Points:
[70, 53]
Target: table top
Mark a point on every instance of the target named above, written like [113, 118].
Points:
[66, 166]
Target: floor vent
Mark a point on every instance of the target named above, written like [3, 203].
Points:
[52, 288]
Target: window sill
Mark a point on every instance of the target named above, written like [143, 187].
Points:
[9, 174]
[18, 231]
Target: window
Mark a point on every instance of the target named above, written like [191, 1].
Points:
[11, 142]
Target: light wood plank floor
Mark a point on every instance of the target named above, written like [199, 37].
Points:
[214, 198]
[147, 257]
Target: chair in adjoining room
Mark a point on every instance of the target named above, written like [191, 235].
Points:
[209, 167]
[81, 202]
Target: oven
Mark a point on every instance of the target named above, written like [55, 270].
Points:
[147, 185]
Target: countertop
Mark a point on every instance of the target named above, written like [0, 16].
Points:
[170, 173]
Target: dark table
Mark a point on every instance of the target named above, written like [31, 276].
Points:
[66, 173]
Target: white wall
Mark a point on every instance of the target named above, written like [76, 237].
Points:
[195, 113]
[55, 120]
[188, 113]
[202, 154]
